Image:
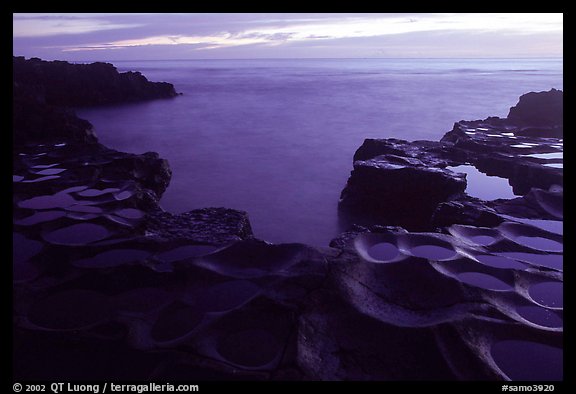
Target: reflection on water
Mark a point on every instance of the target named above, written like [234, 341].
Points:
[545, 260]
[553, 226]
[500, 262]
[531, 361]
[483, 186]
[548, 293]
[540, 243]
[484, 281]
[540, 316]
[77, 234]
[432, 252]
[383, 251]
[553, 155]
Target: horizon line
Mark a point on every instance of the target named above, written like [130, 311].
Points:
[312, 58]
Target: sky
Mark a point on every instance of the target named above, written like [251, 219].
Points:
[133, 36]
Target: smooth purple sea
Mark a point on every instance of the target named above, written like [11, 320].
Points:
[276, 137]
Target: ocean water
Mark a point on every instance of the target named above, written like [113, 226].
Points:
[276, 137]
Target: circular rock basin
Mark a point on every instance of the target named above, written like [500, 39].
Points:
[84, 208]
[500, 262]
[40, 217]
[41, 179]
[113, 258]
[74, 189]
[433, 252]
[378, 247]
[540, 243]
[129, 213]
[77, 234]
[541, 316]
[528, 361]
[555, 165]
[482, 239]
[72, 309]
[58, 200]
[24, 271]
[383, 251]
[123, 195]
[186, 252]
[176, 321]
[227, 295]
[532, 237]
[548, 294]
[550, 155]
[23, 249]
[142, 300]
[97, 192]
[546, 260]
[249, 348]
[81, 215]
[482, 280]
[51, 171]
[428, 246]
[120, 220]
[45, 165]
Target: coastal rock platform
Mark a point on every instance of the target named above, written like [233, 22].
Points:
[107, 285]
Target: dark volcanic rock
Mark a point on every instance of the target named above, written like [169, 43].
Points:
[34, 120]
[537, 204]
[465, 210]
[214, 226]
[74, 85]
[501, 151]
[539, 109]
[412, 284]
[395, 182]
[43, 90]
[119, 289]
[400, 190]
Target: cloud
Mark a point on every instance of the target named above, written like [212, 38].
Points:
[30, 25]
[76, 33]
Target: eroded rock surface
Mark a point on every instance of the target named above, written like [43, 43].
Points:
[487, 276]
[119, 289]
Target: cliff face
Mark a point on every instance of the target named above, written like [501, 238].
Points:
[43, 90]
[73, 85]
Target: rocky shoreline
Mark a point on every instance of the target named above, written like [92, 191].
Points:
[430, 283]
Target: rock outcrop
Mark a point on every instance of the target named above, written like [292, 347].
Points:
[65, 84]
[44, 93]
[501, 253]
[539, 109]
[34, 121]
[118, 289]
[401, 183]
[417, 185]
